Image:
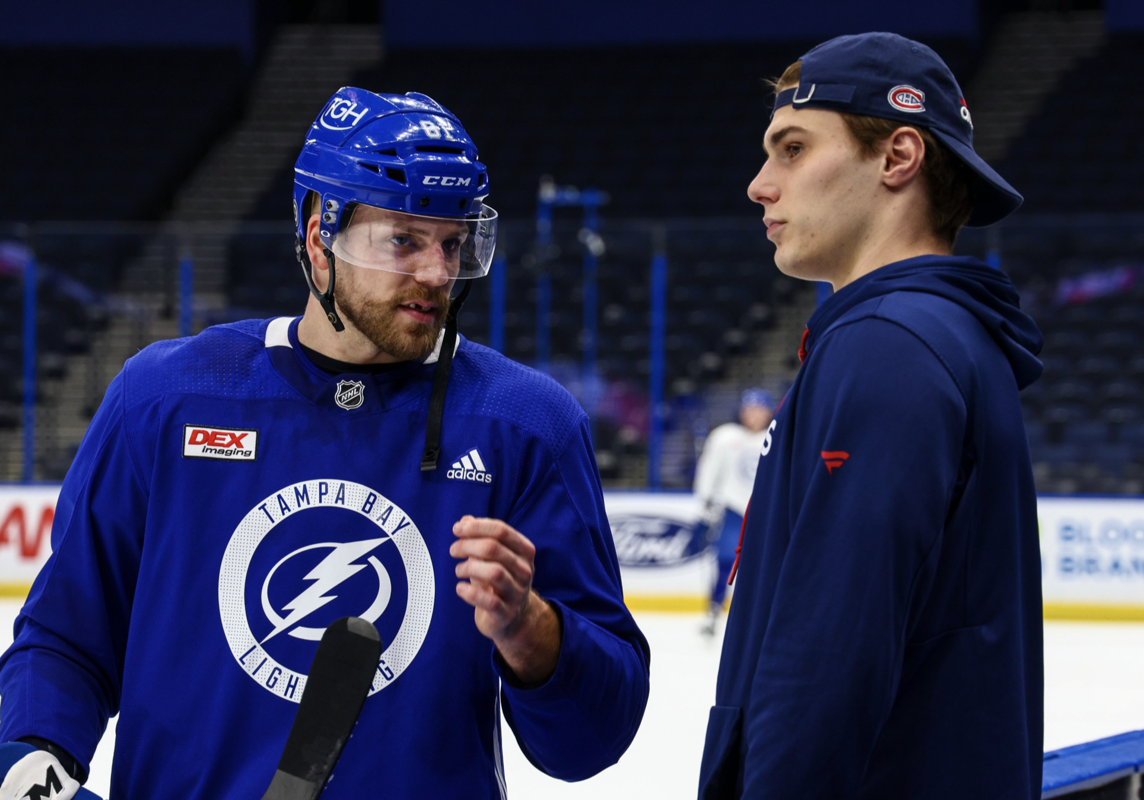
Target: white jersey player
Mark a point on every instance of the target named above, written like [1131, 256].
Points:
[724, 479]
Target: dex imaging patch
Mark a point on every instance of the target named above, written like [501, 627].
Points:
[223, 444]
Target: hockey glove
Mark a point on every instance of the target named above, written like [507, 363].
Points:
[31, 774]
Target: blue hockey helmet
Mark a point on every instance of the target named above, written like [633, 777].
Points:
[368, 155]
[757, 396]
[394, 173]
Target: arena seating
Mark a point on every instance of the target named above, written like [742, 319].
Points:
[115, 131]
[1084, 151]
[99, 137]
[1085, 417]
[1078, 163]
[11, 349]
[112, 131]
[1082, 279]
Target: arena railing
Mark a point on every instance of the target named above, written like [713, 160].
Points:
[674, 302]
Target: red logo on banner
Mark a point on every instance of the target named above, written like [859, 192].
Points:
[215, 438]
[16, 528]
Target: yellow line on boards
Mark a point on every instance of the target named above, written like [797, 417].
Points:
[680, 604]
[1092, 612]
[690, 604]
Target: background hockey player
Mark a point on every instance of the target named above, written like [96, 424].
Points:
[885, 638]
[724, 478]
[239, 490]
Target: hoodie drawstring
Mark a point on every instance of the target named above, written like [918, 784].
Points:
[739, 548]
[802, 346]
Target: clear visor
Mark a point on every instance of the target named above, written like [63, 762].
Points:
[458, 249]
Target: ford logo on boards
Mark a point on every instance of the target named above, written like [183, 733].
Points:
[643, 540]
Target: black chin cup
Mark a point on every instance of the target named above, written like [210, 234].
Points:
[326, 298]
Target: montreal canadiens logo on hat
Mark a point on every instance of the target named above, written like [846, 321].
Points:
[907, 98]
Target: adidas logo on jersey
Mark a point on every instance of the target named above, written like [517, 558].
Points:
[470, 468]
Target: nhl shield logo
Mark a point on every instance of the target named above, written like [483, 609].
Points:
[350, 394]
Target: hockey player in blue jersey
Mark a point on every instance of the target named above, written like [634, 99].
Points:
[239, 490]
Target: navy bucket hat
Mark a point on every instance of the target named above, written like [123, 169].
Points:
[888, 76]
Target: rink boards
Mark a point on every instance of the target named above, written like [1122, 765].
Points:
[1092, 550]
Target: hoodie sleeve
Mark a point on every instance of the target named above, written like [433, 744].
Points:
[877, 429]
[582, 719]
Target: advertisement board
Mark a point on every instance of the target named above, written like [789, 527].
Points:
[26, 516]
[1092, 550]
[1092, 556]
[666, 562]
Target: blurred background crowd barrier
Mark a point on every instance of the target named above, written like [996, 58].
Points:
[148, 166]
[655, 326]
[147, 177]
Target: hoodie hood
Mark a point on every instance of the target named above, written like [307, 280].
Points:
[984, 291]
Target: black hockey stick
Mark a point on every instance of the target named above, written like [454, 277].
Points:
[336, 688]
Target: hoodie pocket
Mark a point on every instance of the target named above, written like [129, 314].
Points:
[720, 770]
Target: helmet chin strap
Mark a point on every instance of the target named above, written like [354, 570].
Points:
[441, 383]
[444, 360]
[326, 298]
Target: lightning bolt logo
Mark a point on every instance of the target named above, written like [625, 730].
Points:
[333, 570]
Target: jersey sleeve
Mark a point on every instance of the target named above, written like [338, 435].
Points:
[60, 680]
[582, 719]
[711, 465]
[877, 441]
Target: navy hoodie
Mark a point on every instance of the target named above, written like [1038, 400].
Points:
[884, 639]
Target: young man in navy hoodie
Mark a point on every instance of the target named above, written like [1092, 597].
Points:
[885, 636]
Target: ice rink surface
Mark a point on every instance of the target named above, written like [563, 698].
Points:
[1092, 689]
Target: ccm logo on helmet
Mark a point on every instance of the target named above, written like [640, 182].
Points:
[445, 180]
[907, 98]
[339, 111]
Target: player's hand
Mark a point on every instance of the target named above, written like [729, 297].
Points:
[28, 772]
[496, 570]
[498, 566]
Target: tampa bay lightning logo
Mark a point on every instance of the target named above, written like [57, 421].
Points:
[278, 592]
[331, 572]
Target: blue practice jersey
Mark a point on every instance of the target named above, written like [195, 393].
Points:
[230, 500]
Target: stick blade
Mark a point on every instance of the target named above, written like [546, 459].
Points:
[336, 688]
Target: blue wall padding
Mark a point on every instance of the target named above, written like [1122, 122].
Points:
[1092, 763]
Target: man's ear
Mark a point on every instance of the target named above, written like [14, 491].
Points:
[316, 251]
[903, 152]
